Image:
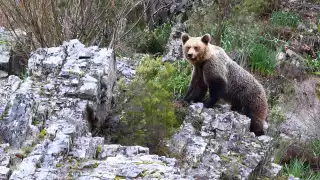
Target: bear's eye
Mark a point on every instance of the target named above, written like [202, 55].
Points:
[196, 48]
[188, 47]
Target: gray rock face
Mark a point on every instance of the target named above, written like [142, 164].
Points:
[174, 46]
[4, 49]
[47, 120]
[216, 143]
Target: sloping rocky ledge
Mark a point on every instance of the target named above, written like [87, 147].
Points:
[47, 120]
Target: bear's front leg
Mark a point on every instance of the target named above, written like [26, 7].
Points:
[197, 88]
[217, 89]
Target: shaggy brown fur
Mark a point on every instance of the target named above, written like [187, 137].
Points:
[214, 70]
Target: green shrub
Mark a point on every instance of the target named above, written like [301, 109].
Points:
[154, 41]
[180, 78]
[252, 48]
[285, 19]
[149, 115]
[277, 115]
[263, 59]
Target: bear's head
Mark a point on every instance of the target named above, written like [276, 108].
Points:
[195, 49]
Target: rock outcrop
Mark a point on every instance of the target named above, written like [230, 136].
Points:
[48, 119]
[216, 143]
[174, 45]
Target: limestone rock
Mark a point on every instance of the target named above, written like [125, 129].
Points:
[215, 143]
[174, 46]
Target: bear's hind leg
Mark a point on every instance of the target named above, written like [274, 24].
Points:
[257, 121]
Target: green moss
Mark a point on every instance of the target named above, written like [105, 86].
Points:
[58, 165]
[27, 150]
[6, 111]
[35, 123]
[98, 150]
[150, 162]
[42, 133]
[38, 165]
[225, 158]
[41, 92]
[119, 178]
[95, 165]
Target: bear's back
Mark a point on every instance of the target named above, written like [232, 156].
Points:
[240, 81]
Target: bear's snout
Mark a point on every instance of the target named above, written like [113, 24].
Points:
[190, 55]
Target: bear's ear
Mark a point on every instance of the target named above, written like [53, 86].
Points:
[206, 38]
[184, 37]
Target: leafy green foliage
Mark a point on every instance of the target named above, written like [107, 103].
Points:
[154, 41]
[180, 78]
[149, 115]
[285, 19]
[262, 59]
[253, 49]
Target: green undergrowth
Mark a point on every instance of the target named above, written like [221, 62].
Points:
[149, 114]
[153, 40]
[254, 51]
[300, 170]
[285, 19]
[297, 167]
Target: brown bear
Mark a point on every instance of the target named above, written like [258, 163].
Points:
[213, 69]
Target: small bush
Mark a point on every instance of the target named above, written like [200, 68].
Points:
[154, 41]
[277, 115]
[285, 19]
[149, 115]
